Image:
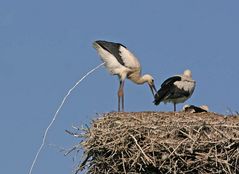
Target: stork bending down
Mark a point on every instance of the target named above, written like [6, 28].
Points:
[120, 61]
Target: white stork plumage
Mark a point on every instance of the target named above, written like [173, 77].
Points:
[120, 61]
[176, 89]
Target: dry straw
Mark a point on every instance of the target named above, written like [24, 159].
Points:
[157, 142]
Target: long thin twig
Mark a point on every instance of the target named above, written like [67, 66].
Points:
[56, 113]
[146, 157]
[123, 162]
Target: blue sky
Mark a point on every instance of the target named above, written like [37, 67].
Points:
[46, 46]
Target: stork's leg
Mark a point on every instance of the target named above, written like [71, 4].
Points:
[121, 96]
[174, 107]
[119, 100]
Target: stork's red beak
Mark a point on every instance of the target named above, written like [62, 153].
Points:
[153, 89]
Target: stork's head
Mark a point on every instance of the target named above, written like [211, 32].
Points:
[187, 73]
[150, 80]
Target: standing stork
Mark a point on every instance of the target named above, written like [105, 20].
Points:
[176, 89]
[120, 61]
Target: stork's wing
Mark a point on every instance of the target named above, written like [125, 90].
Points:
[170, 81]
[176, 92]
[165, 90]
[120, 53]
[111, 62]
[112, 48]
[128, 58]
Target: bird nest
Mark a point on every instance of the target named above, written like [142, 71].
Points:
[160, 142]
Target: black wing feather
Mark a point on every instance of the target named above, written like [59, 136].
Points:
[171, 80]
[113, 48]
[169, 91]
[162, 92]
[176, 92]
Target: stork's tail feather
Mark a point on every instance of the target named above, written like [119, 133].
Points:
[95, 45]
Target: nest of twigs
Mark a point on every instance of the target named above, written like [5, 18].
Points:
[160, 142]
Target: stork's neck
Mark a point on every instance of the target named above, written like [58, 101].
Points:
[137, 78]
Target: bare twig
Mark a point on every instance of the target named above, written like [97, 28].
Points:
[146, 157]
